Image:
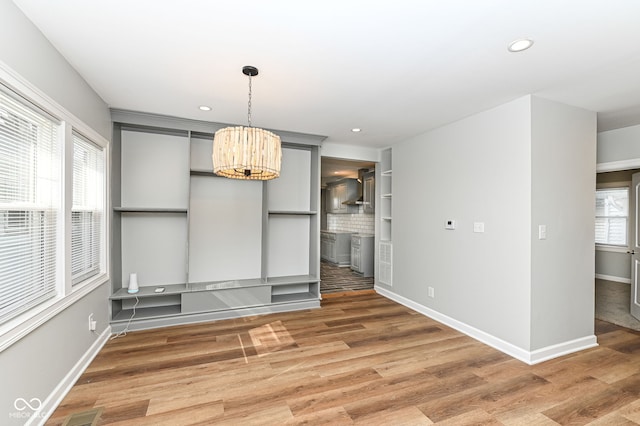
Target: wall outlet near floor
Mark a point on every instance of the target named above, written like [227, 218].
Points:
[431, 292]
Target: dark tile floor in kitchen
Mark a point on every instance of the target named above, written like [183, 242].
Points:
[335, 279]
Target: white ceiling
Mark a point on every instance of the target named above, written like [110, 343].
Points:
[393, 68]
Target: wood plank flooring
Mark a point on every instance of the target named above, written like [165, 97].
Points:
[357, 360]
[335, 279]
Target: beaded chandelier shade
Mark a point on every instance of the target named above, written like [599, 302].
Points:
[247, 152]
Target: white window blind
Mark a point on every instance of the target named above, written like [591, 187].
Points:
[87, 213]
[612, 216]
[29, 206]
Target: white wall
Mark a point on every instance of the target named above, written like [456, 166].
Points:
[563, 158]
[525, 163]
[474, 170]
[34, 366]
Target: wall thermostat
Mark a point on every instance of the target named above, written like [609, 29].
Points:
[450, 224]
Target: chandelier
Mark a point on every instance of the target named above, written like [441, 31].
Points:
[247, 152]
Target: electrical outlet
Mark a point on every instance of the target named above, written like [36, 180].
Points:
[431, 292]
[92, 323]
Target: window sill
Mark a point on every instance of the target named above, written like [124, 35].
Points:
[612, 249]
[21, 326]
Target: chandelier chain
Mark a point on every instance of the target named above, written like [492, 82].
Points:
[249, 103]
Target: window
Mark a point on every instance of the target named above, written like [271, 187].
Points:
[29, 206]
[87, 214]
[612, 216]
[53, 227]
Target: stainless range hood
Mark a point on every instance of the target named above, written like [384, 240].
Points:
[359, 200]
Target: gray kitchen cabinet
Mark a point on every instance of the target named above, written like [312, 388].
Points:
[338, 193]
[362, 254]
[335, 247]
[369, 193]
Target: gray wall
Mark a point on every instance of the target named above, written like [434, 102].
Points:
[619, 144]
[32, 56]
[563, 158]
[615, 265]
[474, 170]
[500, 167]
[36, 364]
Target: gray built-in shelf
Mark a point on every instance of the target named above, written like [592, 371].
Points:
[384, 237]
[220, 248]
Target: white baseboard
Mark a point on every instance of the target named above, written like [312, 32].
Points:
[529, 357]
[613, 278]
[55, 398]
[561, 349]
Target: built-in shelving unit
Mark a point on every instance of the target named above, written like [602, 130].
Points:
[384, 243]
[385, 195]
[219, 248]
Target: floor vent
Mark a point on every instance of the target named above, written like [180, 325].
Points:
[85, 418]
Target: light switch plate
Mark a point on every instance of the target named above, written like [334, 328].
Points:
[478, 226]
[542, 232]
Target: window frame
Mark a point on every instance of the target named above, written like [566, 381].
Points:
[610, 186]
[67, 294]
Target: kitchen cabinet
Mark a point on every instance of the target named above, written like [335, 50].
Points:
[340, 191]
[335, 247]
[362, 254]
[369, 193]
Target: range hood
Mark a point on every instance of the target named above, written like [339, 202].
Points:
[359, 200]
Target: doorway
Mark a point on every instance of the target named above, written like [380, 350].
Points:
[345, 216]
[613, 278]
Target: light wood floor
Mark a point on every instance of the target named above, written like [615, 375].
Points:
[357, 360]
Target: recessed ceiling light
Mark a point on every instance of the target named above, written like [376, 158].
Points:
[204, 108]
[520, 44]
[356, 130]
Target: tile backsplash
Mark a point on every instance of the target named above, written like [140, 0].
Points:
[357, 222]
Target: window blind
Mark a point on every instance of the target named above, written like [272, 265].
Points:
[87, 213]
[612, 214]
[29, 206]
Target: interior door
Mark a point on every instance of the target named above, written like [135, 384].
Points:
[635, 245]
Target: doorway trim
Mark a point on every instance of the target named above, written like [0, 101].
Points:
[616, 166]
